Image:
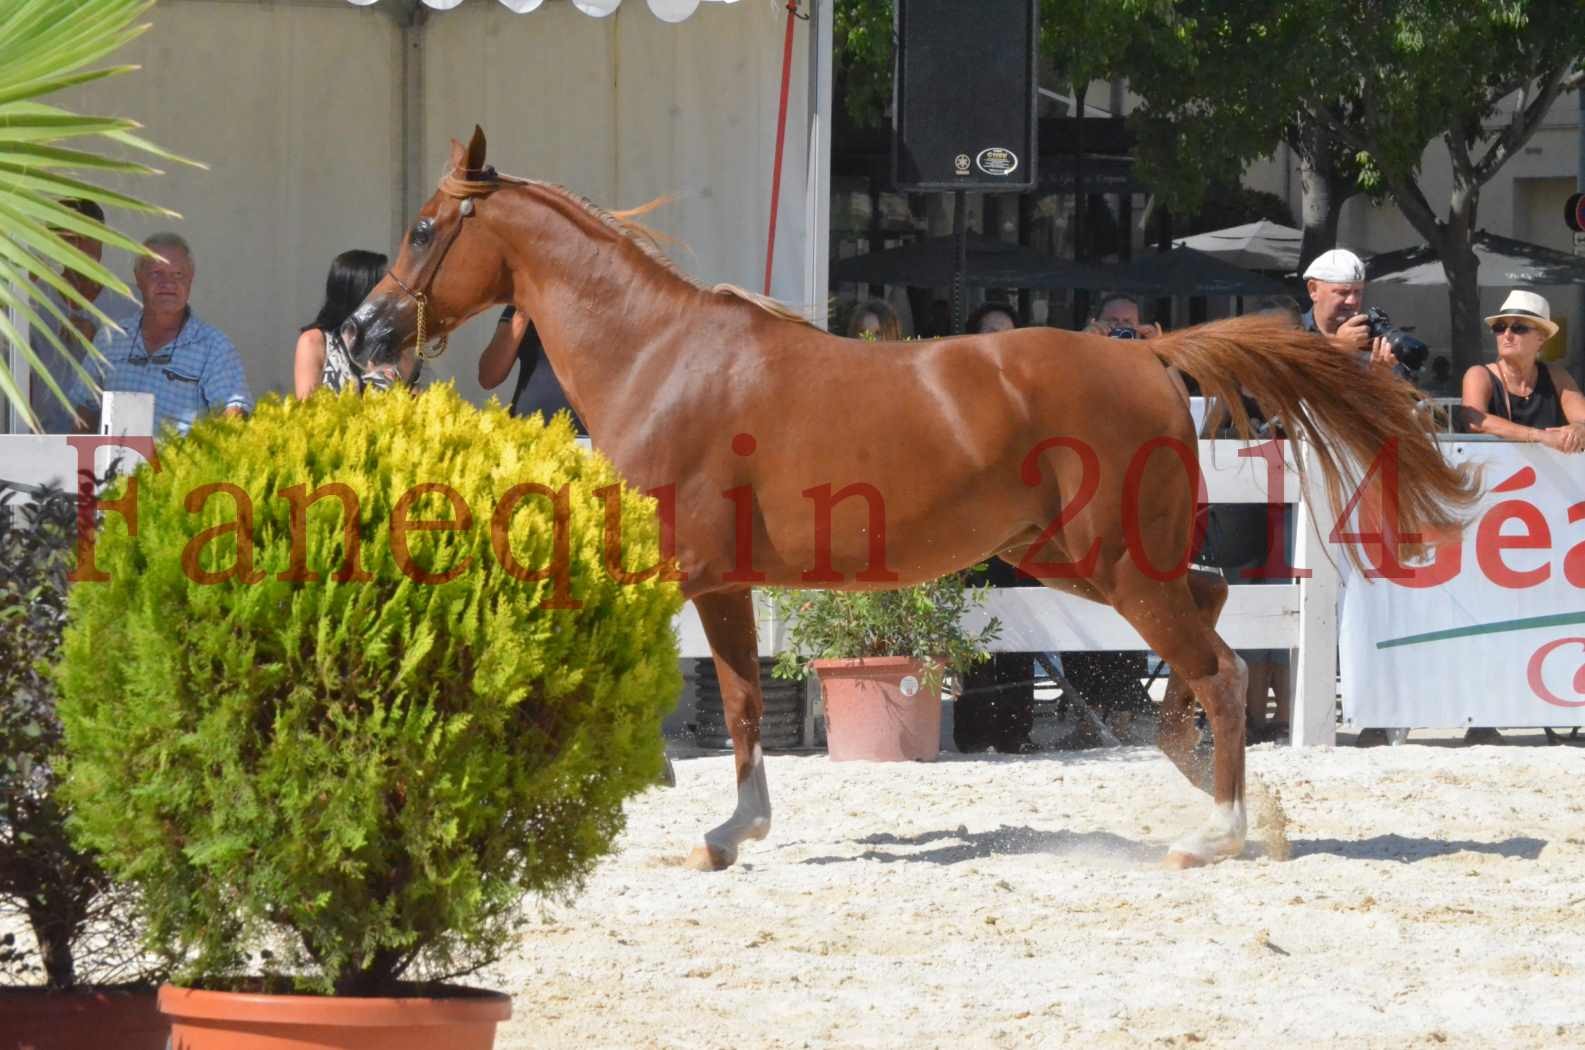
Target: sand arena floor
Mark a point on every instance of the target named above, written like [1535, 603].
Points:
[1432, 896]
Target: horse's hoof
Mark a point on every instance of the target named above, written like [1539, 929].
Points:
[1178, 860]
[710, 858]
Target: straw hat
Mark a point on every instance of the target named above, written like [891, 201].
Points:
[1527, 306]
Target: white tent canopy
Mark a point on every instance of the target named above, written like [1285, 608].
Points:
[336, 123]
[665, 10]
[1259, 245]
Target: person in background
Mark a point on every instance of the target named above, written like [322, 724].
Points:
[1111, 681]
[1120, 312]
[1236, 542]
[352, 275]
[993, 317]
[875, 319]
[188, 365]
[1521, 397]
[1335, 282]
[516, 341]
[54, 416]
[996, 707]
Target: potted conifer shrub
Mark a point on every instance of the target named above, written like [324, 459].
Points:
[80, 983]
[882, 657]
[335, 751]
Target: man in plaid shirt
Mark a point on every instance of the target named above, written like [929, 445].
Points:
[189, 366]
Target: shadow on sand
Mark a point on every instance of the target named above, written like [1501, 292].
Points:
[962, 845]
[1411, 850]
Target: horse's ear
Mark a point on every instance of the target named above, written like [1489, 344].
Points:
[476, 150]
[459, 157]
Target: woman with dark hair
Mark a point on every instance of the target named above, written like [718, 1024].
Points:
[993, 317]
[352, 275]
[875, 319]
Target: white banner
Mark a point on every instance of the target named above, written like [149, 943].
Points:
[1491, 632]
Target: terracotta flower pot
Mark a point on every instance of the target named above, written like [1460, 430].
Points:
[85, 1019]
[202, 1020]
[878, 710]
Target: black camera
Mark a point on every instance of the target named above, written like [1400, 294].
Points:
[1410, 352]
[1121, 332]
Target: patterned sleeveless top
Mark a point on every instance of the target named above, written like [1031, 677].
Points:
[340, 371]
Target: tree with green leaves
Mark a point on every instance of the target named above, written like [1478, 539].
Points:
[1222, 88]
[1361, 89]
[1080, 42]
[47, 46]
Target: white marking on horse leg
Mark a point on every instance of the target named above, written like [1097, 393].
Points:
[751, 818]
[1222, 837]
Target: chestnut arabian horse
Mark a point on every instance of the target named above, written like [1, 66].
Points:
[1060, 451]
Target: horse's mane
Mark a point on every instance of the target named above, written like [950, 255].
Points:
[649, 241]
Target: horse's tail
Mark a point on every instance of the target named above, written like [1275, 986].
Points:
[1330, 398]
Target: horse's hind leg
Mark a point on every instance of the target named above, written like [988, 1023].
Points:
[1168, 617]
[728, 620]
[1176, 733]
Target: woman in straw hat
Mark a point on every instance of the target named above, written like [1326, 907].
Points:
[1522, 398]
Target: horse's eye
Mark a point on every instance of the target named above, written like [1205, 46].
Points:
[422, 231]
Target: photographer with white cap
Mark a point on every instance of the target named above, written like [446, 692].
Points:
[1336, 283]
[1521, 397]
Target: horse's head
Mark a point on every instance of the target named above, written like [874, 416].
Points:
[449, 268]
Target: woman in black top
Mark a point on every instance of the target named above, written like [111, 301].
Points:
[319, 359]
[1522, 398]
[537, 389]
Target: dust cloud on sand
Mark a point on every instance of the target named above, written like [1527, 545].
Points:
[1412, 896]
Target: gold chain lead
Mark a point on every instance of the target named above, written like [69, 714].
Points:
[423, 301]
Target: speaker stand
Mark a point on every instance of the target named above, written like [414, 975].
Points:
[960, 264]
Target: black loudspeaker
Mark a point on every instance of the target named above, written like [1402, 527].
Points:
[964, 108]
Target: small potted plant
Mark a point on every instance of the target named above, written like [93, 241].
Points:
[335, 743]
[84, 950]
[882, 657]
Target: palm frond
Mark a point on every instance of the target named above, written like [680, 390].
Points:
[45, 47]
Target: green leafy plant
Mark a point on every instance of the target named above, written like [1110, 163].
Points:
[79, 920]
[372, 773]
[45, 46]
[924, 621]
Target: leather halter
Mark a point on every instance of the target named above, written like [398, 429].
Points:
[479, 183]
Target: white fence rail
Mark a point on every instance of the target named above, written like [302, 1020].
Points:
[35, 460]
[1300, 617]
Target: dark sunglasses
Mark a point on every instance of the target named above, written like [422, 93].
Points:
[1516, 327]
[164, 357]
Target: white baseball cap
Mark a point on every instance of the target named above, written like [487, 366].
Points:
[1338, 266]
[1528, 306]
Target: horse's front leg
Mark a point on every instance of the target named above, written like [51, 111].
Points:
[728, 620]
